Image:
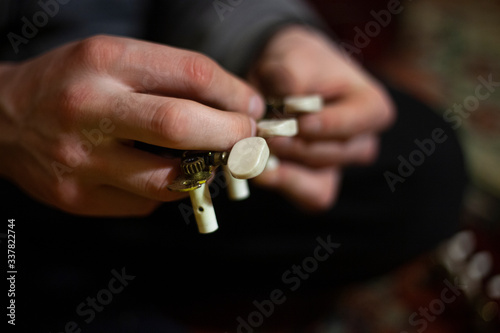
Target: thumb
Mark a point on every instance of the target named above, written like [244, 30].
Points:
[289, 63]
[278, 78]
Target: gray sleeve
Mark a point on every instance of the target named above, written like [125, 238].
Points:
[230, 31]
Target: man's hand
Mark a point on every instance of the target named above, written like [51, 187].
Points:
[68, 120]
[299, 61]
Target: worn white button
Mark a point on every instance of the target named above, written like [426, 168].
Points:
[277, 127]
[248, 158]
[309, 103]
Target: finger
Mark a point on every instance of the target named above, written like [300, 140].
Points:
[313, 190]
[135, 171]
[177, 123]
[153, 68]
[110, 201]
[357, 113]
[361, 149]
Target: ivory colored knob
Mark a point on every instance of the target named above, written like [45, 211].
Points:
[248, 158]
[277, 127]
[310, 103]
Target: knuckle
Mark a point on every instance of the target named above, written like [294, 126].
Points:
[389, 113]
[66, 154]
[60, 154]
[325, 197]
[68, 197]
[199, 71]
[386, 110]
[325, 200]
[98, 52]
[169, 121]
[369, 152]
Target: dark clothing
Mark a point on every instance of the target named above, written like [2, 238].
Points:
[180, 274]
[230, 32]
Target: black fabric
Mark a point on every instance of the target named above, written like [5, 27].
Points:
[232, 34]
[32, 28]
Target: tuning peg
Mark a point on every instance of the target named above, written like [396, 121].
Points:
[248, 158]
[195, 173]
[299, 104]
[237, 189]
[277, 127]
[203, 209]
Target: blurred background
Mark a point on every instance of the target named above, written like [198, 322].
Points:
[438, 51]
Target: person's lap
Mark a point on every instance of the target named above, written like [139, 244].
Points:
[65, 259]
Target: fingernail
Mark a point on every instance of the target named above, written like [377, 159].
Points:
[255, 106]
[309, 125]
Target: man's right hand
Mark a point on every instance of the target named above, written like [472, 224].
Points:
[68, 120]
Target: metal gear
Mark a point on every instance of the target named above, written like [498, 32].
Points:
[193, 165]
